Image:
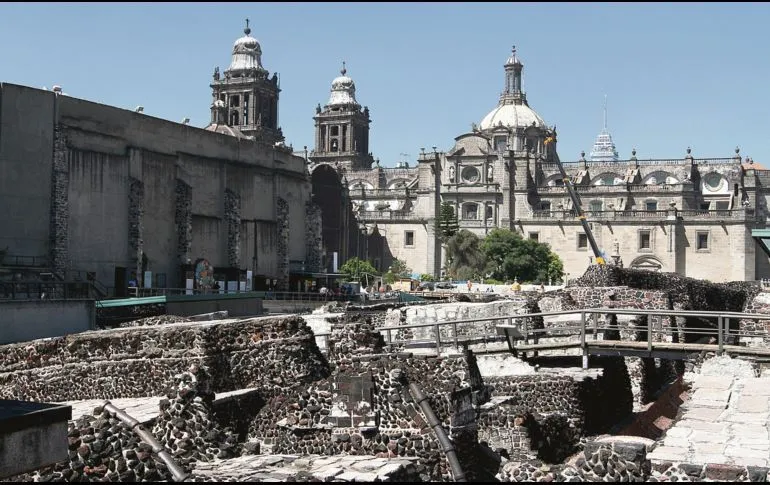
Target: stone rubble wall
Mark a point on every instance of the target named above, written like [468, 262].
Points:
[183, 220]
[282, 243]
[385, 423]
[59, 233]
[136, 226]
[233, 219]
[760, 328]
[313, 234]
[141, 361]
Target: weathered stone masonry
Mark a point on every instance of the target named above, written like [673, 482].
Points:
[183, 220]
[136, 226]
[282, 220]
[233, 218]
[59, 203]
[313, 231]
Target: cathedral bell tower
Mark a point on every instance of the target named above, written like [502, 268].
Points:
[342, 128]
[245, 99]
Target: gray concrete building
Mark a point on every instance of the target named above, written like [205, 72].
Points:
[126, 197]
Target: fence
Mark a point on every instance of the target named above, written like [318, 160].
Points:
[657, 339]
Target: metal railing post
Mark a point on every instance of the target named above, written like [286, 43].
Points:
[595, 319]
[454, 325]
[649, 333]
[438, 341]
[720, 334]
[583, 346]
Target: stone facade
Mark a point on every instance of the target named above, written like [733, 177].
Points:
[282, 218]
[183, 221]
[136, 227]
[313, 230]
[59, 204]
[142, 361]
[233, 218]
[692, 216]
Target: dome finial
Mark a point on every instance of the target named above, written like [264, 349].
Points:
[344, 70]
[247, 30]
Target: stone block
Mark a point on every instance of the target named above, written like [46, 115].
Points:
[713, 383]
[747, 418]
[709, 396]
[704, 414]
[757, 473]
[756, 387]
[678, 432]
[753, 404]
[726, 473]
[708, 437]
[709, 448]
[739, 453]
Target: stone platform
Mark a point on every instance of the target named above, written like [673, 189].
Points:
[143, 409]
[289, 468]
[725, 422]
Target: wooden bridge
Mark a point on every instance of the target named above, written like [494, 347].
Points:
[593, 334]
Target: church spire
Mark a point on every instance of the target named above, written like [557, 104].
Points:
[513, 90]
[604, 148]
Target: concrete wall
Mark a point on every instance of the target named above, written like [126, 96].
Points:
[235, 307]
[108, 147]
[33, 319]
[26, 158]
[98, 211]
[32, 448]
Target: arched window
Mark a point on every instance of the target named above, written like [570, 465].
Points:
[595, 206]
[470, 210]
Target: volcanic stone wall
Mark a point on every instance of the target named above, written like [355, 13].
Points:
[365, 408]
[183, 220]
[758, 330]
[688, 293]
[59, 237]
[269, 353]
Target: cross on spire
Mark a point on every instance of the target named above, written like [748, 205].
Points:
[513, 50]
[247, 30]
[344, 70]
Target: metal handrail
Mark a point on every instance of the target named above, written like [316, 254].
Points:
[524, 332]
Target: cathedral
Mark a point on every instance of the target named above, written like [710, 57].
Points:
[129, 199]
[699, 217]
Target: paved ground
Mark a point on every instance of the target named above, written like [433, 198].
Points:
[143, 409]
[283, 468]
[726, 421]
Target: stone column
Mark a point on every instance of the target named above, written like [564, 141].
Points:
[59, 216]
[314, 241]
[282, 221]
[135, 226]
[183, 221]
[233, 218]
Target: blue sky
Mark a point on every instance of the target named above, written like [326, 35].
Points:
[676, 75]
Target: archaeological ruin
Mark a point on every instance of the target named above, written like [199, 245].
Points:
[381, 393]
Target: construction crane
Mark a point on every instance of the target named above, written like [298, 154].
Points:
[598, 256]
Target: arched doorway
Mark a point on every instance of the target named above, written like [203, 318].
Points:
[647, 262]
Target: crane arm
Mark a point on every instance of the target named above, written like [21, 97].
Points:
[578, 207]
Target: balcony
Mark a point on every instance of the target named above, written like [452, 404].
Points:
[389, 215]
[733, 214]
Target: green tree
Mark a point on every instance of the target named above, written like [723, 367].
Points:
[465, 258]
[400, 269]
[447, 222]
[510, 256]
[356, 269]
[427, 277]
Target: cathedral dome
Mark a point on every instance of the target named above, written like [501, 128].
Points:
[343, 90]
[512, 115]
[247, 54]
